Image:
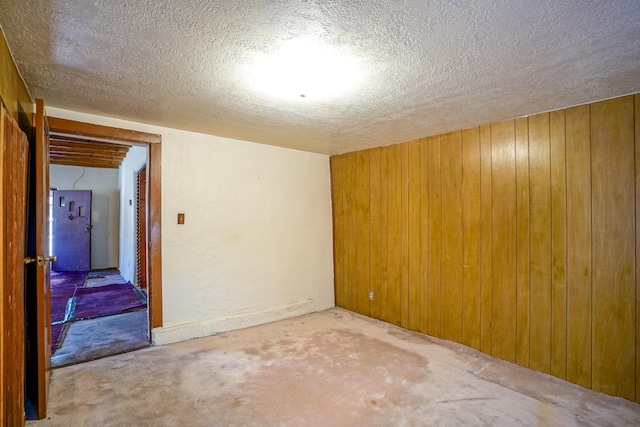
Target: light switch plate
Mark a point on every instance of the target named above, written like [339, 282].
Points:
[180, 218]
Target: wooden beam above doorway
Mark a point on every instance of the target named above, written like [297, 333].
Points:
[81, 144]
[84, 152]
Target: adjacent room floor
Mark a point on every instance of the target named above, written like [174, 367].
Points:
[93, 338]
[104, 336]
[332, 368]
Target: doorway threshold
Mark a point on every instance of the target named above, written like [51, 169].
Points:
[93, 339]
[106, 319]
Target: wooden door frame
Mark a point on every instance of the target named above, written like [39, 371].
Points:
[153, 142]
[42, 279]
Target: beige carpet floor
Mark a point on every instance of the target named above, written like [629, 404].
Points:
[332, 368]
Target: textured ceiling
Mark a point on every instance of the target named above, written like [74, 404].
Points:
[428, 67]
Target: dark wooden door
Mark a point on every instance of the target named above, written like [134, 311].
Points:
[38, 283]
[14, 148]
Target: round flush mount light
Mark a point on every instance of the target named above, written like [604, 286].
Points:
[305, 69]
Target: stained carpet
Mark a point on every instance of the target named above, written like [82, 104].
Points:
[332, 368]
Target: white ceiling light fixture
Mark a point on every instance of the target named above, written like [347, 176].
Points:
[306, 69]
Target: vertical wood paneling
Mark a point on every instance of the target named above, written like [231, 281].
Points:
[3, 243]
[394, 202]
[578, 140]
[451, 149]
[404, 227]
[352, 227]
[337, 196]
[471, 280]
[485, 238]
[424, 234]
[540, 208]
[14, 92]
[503, 215]
[415, 233]
[518, 238]
[384, 234]
[613, 221]
[374, 231]
[363, 257]
[522, 241]
[435, 238]
[558, 245]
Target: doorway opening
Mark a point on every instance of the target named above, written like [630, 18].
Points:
[98, 307]
[90, 333]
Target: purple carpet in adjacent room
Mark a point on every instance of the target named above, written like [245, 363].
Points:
[63, 287]
[106, 300]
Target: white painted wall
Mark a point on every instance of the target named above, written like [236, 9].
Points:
[257, 242]
[105, 207]
[136, 158]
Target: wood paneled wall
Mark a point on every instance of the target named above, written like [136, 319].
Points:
[520, 239]
[13, 91]
[16, 98]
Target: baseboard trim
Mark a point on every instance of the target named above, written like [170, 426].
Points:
[162, 336]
